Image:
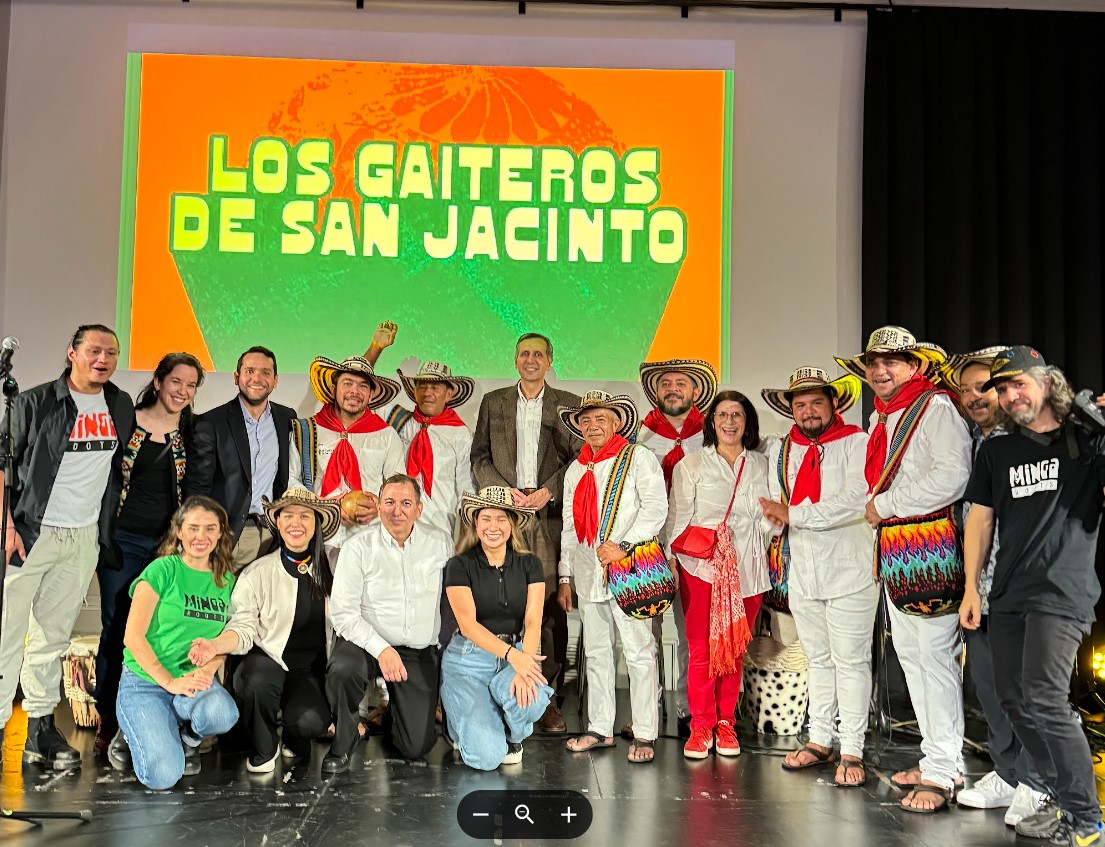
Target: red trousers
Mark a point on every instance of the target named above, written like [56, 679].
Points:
[710, 698]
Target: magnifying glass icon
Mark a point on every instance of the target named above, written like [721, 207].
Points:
[522, 813]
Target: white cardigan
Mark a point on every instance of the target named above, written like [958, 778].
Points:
[263, 608]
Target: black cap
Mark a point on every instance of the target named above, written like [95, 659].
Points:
[1013, 361]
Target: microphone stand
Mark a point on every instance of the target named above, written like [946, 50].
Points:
[10, 388]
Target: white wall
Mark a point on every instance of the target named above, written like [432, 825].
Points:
[796, 164]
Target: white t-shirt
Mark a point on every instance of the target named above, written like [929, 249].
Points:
[79, 487]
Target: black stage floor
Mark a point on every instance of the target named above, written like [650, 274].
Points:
[749, 800]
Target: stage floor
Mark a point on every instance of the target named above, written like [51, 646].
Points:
[749, 800]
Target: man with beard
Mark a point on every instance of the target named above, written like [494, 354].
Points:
[1044, 484]
[678, 391]
[817, 484]
[239, 454]
[1013, 784]
[916, 467]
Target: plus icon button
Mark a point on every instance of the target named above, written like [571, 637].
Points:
[568, 815]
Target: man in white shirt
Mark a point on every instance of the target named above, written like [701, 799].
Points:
[818, 491]
[678, 391]
[345, 451]
[384, 609]
[519, 444]
[603, 421]
[911, 479]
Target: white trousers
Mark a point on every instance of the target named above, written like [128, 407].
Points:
[836, 636]
[928, 649]
[600, 623]
[42, 600]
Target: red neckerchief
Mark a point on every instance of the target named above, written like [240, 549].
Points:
[807, 484]
[585, 504]
[656, 421]
[420, 459]
[876, 444]
[343, 463]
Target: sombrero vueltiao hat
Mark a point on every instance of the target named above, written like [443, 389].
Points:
[847, 389]
[952, 370]
[327, 512]
[494, 497]
[619, 404]
[324, 375]
[895, 339]
[462, 386]
[700, 372]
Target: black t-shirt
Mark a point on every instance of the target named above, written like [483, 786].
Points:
[151, 496]
[1048, 505]
[306, 647]
[499, 593]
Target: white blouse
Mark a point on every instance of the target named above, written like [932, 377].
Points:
[702, 485]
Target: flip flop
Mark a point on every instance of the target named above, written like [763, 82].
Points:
[600, 742]
[640, 743]
[851, 764]
[819, 758]
[907, 786]
[944, 794]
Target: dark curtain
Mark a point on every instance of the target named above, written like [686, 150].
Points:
[983, 181]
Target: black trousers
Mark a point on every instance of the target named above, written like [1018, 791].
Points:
[263, 690]
[1011, 760]
[1034, 657]
[410, 718]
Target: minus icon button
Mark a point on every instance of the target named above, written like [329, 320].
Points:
[481, 814]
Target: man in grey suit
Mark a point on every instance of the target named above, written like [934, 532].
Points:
[519, 443]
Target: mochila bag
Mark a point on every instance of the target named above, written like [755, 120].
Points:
[919, 559]
[699, 542]
[778, 552]
[642, 583]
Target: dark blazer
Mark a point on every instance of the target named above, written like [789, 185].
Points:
[219, 463]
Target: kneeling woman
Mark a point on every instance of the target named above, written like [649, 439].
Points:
[166, 704]
[491, 683]
[279, 624]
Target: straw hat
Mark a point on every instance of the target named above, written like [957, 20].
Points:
[327, 512]
[324, 375]
[621, 405]
[952, 370]
[700, 372]
[895, 339]
[494, 497]
[463, 386]
[846, 389]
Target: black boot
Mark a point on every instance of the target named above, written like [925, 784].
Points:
[45, 745]
[118, 752]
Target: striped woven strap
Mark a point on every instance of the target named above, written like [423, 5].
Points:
[398, 416]
[306, 442]
[615, 485]
[903, 435]
[781, 469]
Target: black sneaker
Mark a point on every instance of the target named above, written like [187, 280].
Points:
[118, 752]
[192, 763]
[1082, 835]
[683, 726]
[333, 763]
[1044, 824]
[46, 746]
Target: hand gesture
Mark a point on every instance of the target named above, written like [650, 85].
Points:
[384, 336]
[871, 514]
[777, 513]
[368, 512]
[526, 666]
[564, 596]
[391, 665]
[609, 552]
[970, 610]
[524, 693]
[202, 652]
[537, 500]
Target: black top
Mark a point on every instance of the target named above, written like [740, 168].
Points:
[499, 593]
[151, 498]
[1048, 505]
[306, 647]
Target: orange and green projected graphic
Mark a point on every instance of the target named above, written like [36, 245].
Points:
[296, 203]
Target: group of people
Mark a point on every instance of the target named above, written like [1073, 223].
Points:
[315, 556]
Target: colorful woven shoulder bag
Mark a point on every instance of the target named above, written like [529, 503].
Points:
[778, 552]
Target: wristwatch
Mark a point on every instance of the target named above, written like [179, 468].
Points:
[627, 547]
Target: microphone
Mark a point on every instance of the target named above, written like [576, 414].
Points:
[7, 350]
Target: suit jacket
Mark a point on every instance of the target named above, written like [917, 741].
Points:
[495, 447]
[219, 464]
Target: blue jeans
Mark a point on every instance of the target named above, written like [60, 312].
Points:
[158, 724]
[481, 712]
[137, 552]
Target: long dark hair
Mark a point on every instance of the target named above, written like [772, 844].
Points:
[222, 557]
[148, 396]
[322, 577]
[751, 438]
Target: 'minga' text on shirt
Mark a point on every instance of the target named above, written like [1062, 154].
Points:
[1031, 477]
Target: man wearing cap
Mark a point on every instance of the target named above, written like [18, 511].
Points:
[818, 490]
[384, 608]
[916, 467]
[1044, 485]
[603, 421]
[345, 450]
[678, 391]
[520, 444]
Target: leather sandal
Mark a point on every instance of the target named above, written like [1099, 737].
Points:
[820, 757]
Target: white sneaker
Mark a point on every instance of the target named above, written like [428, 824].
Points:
[255, 765]
[1026, 802]
[990, 792]
[513, 754]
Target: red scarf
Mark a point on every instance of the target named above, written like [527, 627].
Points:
[420, 459]
[656, 421]
[585, 504]
[876, 444]
[343, 463]
[807, 484]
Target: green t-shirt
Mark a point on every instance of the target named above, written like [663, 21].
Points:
[190, 606]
